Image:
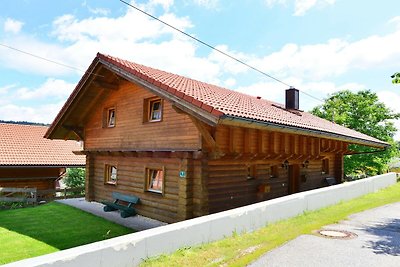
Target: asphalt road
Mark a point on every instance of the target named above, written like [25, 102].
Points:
[377, 243]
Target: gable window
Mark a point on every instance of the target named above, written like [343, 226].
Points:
[152, 109]
[109, 117]
[325, 166]
[155, 110]
[155, 180]
[110, 174]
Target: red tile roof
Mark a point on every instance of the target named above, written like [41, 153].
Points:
[220, 101]
[24, 145]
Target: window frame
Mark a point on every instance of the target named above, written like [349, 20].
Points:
[148, 109]
[108, 174]
[107, 117]
[147, 180]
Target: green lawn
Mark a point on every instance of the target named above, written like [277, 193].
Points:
[31, 232]
[241, 249]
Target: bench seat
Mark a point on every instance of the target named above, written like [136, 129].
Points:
[126, 210]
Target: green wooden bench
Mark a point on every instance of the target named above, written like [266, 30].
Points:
[126, 210]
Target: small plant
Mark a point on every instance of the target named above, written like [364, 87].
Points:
[75, 177]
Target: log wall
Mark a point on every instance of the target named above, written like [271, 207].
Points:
[175, 131]
[248, 158]
[183, 198]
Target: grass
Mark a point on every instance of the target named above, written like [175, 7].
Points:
[30, 232]
[242, 249]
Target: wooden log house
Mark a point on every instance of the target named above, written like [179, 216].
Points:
[27, 159]
[187, 148]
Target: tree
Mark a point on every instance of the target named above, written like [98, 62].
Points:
[396, 78]
[362, 112]
[75, 177]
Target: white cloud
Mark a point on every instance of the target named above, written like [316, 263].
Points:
[5, 89]
[300, 6]
[97, 10]
[318, 90]
[12, 26]
[335, 57]
[392, 100]
[42, 114]
[51, 88]
[395, 21]
[210, 4]
[40, 104]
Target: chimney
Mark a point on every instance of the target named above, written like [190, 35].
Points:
[292, 98]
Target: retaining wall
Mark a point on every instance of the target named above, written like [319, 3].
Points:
[130, 250]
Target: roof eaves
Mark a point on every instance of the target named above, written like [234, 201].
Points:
[71, 98]
[232, 120]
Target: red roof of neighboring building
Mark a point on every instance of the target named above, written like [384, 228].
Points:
[220, 101]
[25, 145]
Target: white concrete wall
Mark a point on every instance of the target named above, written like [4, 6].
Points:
[130, 250]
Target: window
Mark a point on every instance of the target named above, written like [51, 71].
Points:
[110, 175]
[325, 166]
[152, 109]
[155, 110]
[155, 180]
[109, 117]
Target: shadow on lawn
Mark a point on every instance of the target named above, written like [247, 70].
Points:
[388, 238]
[59, 226]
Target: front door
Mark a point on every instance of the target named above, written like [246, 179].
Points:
[294, 179]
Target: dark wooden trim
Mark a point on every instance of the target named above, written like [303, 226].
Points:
[105, 85]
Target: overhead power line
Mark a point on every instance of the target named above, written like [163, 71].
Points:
[216, 49]
[204, 43]
[40, 57]
[48, 60]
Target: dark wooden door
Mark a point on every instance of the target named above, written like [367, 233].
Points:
[294, 178]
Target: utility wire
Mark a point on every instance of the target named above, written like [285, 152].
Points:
[216, 49]
[206, 44]
[46, 59]
[40, 57]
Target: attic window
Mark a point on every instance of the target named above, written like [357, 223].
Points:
[155, 110]
[152, 110]
[111, 117]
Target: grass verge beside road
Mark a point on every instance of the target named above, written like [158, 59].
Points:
[241, 249]
[30, 232]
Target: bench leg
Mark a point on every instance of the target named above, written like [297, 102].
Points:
[108, 208]
[125, 214]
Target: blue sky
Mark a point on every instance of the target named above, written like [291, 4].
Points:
[318, 46]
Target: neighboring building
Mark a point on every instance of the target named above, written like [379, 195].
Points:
[27, 159]
[187, 148]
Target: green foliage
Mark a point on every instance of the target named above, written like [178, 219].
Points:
[75, 177]
[396, 78]
[362, 112]
[43, 229]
